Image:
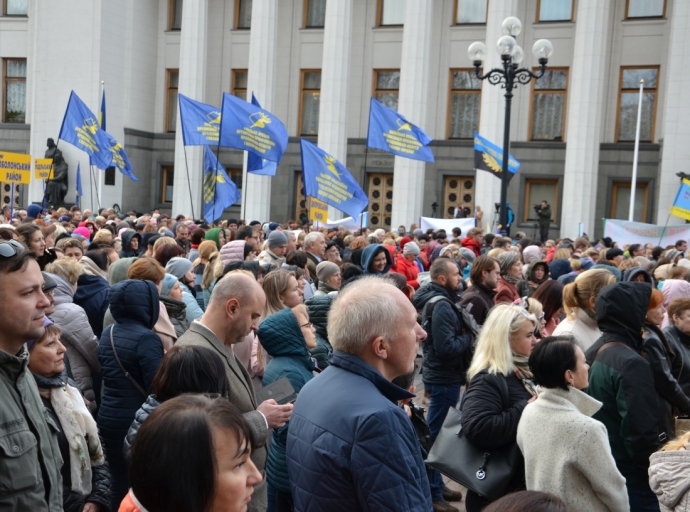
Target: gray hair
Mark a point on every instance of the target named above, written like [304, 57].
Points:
[362, 311]
[311, 238]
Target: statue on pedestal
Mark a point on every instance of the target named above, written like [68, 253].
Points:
[56, 186]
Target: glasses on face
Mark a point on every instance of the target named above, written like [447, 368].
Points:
[308, 325]
[10, 248]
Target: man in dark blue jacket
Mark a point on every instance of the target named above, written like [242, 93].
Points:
[443, 369]
[349, 446]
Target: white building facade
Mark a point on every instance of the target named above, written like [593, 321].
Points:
[316, 63]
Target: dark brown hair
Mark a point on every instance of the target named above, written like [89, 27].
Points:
[550, 294]
[528, 501]
[189, 369]
[166, 252]
[481, 264]
[173, 465]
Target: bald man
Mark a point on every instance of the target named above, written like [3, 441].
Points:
[234, 309]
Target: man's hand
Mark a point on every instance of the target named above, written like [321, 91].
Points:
[276, 415]
[91, 507]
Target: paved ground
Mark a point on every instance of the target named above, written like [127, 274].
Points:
[421, 400]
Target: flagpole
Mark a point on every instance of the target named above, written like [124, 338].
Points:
[633, 183]
[364, 173]
[12, 203]
[189, 183]
[100, 181]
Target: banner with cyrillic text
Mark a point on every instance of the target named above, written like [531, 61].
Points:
[448, 224]
[15, 168]
[43, 168]
[626, 233]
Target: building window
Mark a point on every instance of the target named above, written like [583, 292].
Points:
[175, 15]
[470, 11]
[391, 13]
[386, 86]
[239, 83]
[314, 13]
[620, 203]
[555, 10]
[309, 102]
[14, 90]
[548, 105]
[243, 14]
[167, 182]
[645, 9]
[536, 191]
[171, 100]
[465, 96]
[109, 177]
[236, 177]
[15, 7]
[628, 99]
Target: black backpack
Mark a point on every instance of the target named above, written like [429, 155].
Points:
[469, 324]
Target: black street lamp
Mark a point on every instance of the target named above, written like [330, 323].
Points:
[509, 77]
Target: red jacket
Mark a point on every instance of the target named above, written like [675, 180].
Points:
[506, 292]
[472, 246]
[409, 269]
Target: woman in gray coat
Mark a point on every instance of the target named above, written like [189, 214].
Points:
[77, 336]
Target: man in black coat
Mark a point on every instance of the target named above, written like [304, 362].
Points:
[443, 369]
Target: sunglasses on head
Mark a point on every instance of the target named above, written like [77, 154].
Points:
[10, 248]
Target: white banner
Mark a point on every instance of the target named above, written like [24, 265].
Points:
[349, 223]
[626, 233]
[448, 224]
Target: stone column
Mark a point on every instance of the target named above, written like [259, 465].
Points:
[585, 107]
[335, 81]
[192, 83]
[408, 192]
[493, 103]
[676, 130]
[256, 192]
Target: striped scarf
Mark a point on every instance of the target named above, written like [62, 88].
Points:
[523, 372]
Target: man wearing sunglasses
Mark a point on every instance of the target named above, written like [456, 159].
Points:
[29, 457]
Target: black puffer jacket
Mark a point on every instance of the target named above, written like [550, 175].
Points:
[531, 283]
[670, 393]
[100, 474]
[318, 307]
[140, 417]
[680, 342]
[446, 342]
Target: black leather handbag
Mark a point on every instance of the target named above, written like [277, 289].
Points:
[486, 471]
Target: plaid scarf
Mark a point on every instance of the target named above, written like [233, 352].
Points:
[523, 372]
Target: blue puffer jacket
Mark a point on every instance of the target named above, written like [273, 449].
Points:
[92, 295]
[350, 447]
[370, 252]
[134, 306]
[282, 337]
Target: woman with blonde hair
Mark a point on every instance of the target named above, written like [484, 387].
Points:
[578, 301]
[668, 474]
[206, 249]
[500, 387]
[212, 272]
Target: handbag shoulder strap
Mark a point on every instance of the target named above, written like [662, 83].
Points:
[127, 374]
[608, 345]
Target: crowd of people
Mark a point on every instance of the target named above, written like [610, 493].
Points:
[144, 363]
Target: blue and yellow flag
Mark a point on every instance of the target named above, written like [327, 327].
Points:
[80, 192]
[80, 128]
[220, 192]
[250, 128]
[329, 181]
[101, 115]
[256, 164]
[391, 132]
[120, 158]
[681, 204]
[200, 122]
[489, 157]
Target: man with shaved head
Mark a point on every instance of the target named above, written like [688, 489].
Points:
[350, 447]
[236, 304]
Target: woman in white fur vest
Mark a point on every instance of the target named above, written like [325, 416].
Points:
[566, 451]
